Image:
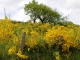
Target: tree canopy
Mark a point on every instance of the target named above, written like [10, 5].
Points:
[42, 12]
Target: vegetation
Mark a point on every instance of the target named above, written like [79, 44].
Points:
[41, 42]
[42, 12]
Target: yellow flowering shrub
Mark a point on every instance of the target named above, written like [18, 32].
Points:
[6, 31]
[69, 37]
[32, 40]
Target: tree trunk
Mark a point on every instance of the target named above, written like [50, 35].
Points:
[34, 20]
[41, 19]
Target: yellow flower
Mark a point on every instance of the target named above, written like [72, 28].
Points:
[28, 49]
[12, 50]
[57, 56]
[19, 54]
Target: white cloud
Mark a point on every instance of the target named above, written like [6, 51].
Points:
[75, 16]
[20, 15]
[14, 8]
[73, 4]
[1, 12]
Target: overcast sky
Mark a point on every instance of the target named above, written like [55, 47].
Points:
[15, 8]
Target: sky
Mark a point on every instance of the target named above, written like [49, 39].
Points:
[15, 9]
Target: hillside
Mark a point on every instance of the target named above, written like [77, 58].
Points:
[42, 41]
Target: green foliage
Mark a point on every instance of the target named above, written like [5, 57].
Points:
[42, 12]
[75, 54]
[66, 23]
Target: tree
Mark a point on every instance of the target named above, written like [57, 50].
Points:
[42, 12]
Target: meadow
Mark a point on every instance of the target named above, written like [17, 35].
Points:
[42, 41]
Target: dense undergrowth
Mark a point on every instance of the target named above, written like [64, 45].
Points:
[41, 43]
